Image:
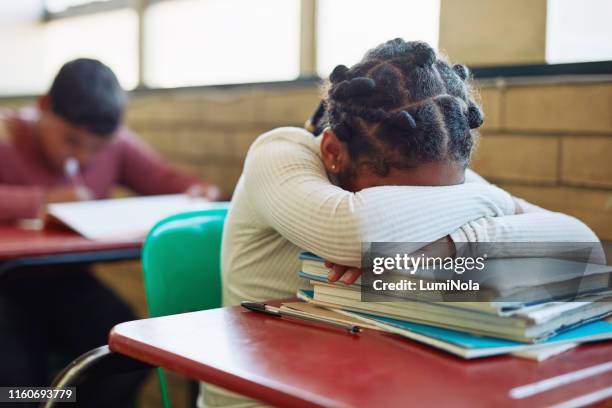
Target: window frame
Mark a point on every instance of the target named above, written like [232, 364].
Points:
[87, 9]
[596, 70]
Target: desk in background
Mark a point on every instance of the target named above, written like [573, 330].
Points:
[22, 248]
[299, 364]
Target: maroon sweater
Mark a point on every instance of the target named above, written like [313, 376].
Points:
[24, 175]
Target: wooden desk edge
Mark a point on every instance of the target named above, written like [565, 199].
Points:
[105, 255]
[268, 393]
[85, 246]
[200, 372]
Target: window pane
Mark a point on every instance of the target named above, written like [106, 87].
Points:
[20, 69]
[111, 37]
[197, 42]
[346, 29]
[22, 72]
[43, 48]
[578, 31]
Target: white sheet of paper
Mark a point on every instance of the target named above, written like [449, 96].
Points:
[123, 217]
[544, 353]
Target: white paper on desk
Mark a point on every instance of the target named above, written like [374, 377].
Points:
[131, 217]
[544, 353]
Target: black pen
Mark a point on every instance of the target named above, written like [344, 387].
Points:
[275, 311]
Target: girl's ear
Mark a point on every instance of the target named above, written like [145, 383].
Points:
[333, 152]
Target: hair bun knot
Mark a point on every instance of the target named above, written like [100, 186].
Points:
[461, 71]
[339, 74]
[474, 116]
[424, 55]
[403, 120]
[356, 87]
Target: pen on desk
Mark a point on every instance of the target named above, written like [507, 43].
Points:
[275, 311]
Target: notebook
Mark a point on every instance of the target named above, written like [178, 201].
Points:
[123, 218]
[471, 346]
[509, 283]
[529, 325]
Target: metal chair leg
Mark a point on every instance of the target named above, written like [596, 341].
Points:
[95, 365]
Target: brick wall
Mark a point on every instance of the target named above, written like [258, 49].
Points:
[210, 131]
[552, 145]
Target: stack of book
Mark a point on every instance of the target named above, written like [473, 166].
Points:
[497, 325]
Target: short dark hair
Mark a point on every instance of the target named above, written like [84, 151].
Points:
[402, 106]
[86, 93]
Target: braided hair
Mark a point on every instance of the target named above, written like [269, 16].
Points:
[402, 106]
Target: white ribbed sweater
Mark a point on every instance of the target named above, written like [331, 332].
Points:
[284, 203]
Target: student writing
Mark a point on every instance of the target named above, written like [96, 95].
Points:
[70, 147]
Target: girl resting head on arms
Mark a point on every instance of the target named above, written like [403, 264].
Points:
[401, 116]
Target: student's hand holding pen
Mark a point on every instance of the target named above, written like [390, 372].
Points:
[68, 193]
[63, 194]
[76, 190]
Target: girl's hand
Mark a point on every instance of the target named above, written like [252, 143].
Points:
[444, 247]
[346, 274]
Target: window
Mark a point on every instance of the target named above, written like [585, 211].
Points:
[578, 31]
[210, 42]
[19, 47]
[204, 42]
[111, 37]
[38, 49]
[346, 29]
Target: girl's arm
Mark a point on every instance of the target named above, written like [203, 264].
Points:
[289, 191]
[534, 225]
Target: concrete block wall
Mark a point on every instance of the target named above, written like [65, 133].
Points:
[548, 143]
[209, 131]
[552, 145]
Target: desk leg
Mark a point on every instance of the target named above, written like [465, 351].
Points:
[93, 366]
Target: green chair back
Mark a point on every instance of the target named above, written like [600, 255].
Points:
[182, 266]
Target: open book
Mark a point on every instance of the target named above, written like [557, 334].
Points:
[131, 217]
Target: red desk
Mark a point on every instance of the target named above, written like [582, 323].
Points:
[19, 247]
[299, 364]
